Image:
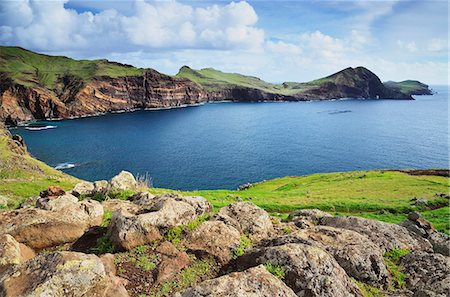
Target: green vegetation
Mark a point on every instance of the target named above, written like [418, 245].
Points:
[392, 259]
[104, 245]
[368, 290]
[107, 215]
[244, 245]
[196, 222]
[276, 270]
[215, 80]
[382, 195]
[174, 235]
[407, 86]
[30, 68]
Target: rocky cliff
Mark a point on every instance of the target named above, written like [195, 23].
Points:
[35, 86]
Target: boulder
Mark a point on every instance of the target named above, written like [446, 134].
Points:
[101, 187]
[123, 181]
[13, 253]
[113, 205]
[83, 188]
[357, 254]
[142, 198]
[172, 262]
[427, 272]
[253, 282]
[252, 219]
[386, 235]
[306, 218]
[30, 202]
[213, 238]
[3, 201]
[133, 228]
[420, 226]
[52, 191]
[309, 270]
[39, 228]
[61, 274]
[63, 202]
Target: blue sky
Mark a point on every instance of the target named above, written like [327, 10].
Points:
[275, 40]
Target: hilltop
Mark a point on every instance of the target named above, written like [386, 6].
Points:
[36, 86]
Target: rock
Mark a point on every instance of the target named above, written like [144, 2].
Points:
[227, 220]
[101, 187]
[52, 191]
[83, 188]
[123, 181]
[132, 228]
[113, 205]
[108, 262]
[244, 187]
[427, 272]
[213, 238]
[65, 201]
[172, 262]
[142, 198]
[421, 202]
[420, 226]
[3, 201]
[253, 282]
[251, 219]
[61, 274]
[309, 270]
[307, 218]
[13, 253]
[39, 228]
[386, 235]
[357, 254]
[30, 202]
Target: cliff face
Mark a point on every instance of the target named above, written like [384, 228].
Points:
[73, 97]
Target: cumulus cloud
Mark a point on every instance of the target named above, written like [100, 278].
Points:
[50, 26]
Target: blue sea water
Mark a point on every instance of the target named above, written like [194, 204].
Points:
[224, 145]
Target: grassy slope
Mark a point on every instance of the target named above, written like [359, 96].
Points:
[30, 68]
[406, 86]
[22, 176]
[216, 80]
[374, 194]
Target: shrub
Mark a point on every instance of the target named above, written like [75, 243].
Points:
[276, 270]
[392, 259]
[195, 223]
[244, 245]
[107, 215]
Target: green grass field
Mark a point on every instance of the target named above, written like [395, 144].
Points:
[29, 68]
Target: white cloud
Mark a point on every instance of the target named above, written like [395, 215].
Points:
[409, 46]
[49, 26]
[437, 45]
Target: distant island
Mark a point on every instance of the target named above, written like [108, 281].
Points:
[36, 86]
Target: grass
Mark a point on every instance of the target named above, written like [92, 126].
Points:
[406, 86]
[381, 195]
[29, 68]
[392, 259]
[276, 270]
[244, 245]
[367, 290]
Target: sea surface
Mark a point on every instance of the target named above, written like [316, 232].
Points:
[223, 145]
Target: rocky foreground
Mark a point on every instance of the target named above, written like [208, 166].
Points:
[100, 239]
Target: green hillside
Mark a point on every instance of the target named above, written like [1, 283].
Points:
[412, 87]
[215, 80]
[31, 68]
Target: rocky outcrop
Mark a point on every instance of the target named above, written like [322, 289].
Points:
[53, 222]
[213, 239]
[255, 282]
[247, 218]
[130, 228]
[123, 181]
[418, 225]
[310, 271]
[358, 255]
[61, 274]
[427, 274]
[387, 236]
[13, 253]
[172, 262]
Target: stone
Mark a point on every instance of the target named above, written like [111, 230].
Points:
[309, 270]
[427, 272]
[310, 214]
[253, 282]
[356, 253]
[40, 228]
[66, 201]
[421, 202]
[3, 201]
[172, 262]
[252, 219]
[30, 202]
[101, 187]
[123, 181]
[142, 198]
[53, 191]
[61, 274]
[147, 224]
[12, 252]
[83, 188]
[113, 205]
[213, 239]
[386, 235]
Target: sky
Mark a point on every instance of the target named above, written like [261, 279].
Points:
[275, 40]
